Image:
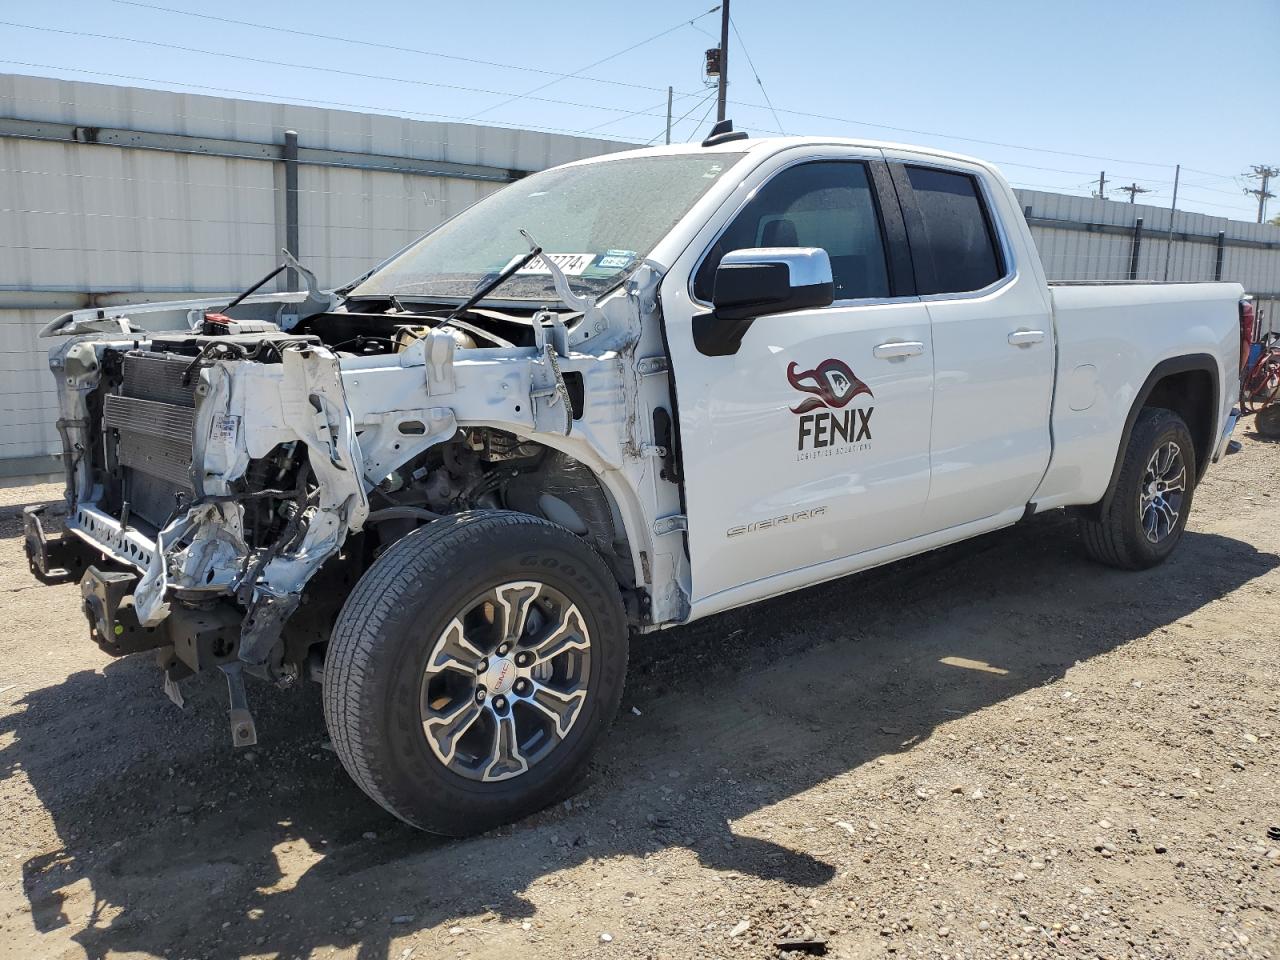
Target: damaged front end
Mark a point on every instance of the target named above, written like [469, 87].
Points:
[210, 532]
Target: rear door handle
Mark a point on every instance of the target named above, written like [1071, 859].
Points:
[897, 349]
[1025, 338]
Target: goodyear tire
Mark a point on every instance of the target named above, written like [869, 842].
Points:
[1142, 522]
[472, 670]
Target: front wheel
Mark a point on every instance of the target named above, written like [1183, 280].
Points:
[473, 668]
[1143, 521]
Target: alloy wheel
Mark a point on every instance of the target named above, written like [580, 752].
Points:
[506, 681]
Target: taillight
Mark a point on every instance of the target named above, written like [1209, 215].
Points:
[1247, 331]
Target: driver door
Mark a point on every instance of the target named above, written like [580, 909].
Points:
[810, 444]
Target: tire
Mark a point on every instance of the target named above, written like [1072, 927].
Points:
[399, 684]
[1121, 536]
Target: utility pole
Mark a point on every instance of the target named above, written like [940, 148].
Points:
[723, 89]
[1102, 186]
[1263, 173]
[669, 92]
[1132, 190]
[1173, 209]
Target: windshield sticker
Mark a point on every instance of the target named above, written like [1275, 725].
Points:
[573, 264]
[616, 259]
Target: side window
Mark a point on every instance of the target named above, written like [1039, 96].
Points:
[952, 243]
[827, 204]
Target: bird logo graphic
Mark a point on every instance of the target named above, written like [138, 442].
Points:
[831, 382]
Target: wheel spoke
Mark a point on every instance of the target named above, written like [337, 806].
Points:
[561, 708]
[513, 602]
[446, 730]
[454, 651]
[1166, 511]
[507, 761]
[569, 634]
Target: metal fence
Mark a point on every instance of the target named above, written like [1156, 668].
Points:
[112, 195]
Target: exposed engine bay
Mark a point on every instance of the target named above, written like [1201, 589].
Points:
[239, 475]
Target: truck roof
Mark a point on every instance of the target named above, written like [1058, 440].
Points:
[767, 145]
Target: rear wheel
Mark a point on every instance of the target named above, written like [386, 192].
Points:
[1143, 520]
[472, 670]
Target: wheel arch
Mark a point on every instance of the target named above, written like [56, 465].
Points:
[1189, 386]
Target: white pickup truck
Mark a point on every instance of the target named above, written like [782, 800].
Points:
[615, 396]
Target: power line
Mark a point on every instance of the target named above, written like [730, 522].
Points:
[612, 56]
[775, 111]
[707, 96]
[755, 73]
[698, 125]
[276, 97]
[307, 66]
[377, 45]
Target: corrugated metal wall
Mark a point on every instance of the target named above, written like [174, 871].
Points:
[112, 195]
[84, 223]
[1081, 238]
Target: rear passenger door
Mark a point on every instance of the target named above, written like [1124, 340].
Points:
[992, 341]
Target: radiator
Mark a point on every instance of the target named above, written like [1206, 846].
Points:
[154, 416]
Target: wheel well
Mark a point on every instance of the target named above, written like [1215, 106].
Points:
[1192, 395]
[1189, 387]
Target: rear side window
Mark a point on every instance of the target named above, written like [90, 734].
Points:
[952, 243]
[823, 203]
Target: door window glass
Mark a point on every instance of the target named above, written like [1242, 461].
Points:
[827, 204]
[952, 243]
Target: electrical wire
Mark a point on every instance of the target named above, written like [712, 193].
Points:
[775, 111]
[311, 66]
[676, 123]
[612, 56]
[755, 73]
[698, 125]
[377, 45]
[276, 97]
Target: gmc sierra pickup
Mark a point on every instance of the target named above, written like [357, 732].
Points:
[615, 396]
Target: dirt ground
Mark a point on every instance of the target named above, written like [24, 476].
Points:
[997, 750]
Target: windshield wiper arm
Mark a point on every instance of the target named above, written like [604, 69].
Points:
[493, 284]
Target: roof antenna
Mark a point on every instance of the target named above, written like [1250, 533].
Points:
[723, 132]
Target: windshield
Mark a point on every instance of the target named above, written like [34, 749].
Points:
[597, 221]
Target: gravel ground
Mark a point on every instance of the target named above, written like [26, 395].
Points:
[996, 750]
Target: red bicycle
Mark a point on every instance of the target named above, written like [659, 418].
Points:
[1260, 383]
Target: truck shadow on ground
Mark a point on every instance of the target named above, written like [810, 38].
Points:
[170, 844]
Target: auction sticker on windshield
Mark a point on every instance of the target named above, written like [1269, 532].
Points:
[573, 264]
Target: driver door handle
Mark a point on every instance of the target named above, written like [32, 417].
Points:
[1025, 338]
[898, 349]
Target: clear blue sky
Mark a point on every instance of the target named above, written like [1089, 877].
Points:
[1143, 85]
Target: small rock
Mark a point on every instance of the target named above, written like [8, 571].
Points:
[403, 918]
[1019, 877]
[984, 925]
[977, 795]
[739, 928]
[369, 835]
[606, 938]
[635, 712]
[1105, 824]
[183, 808]
[944, 931]
[1161, 848]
